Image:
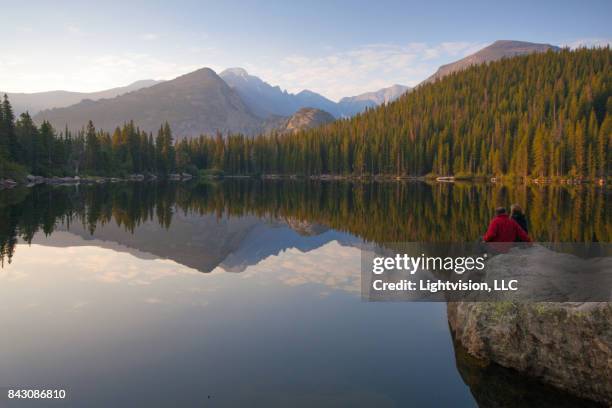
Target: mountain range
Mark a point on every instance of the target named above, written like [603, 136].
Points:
[205, 242]
[195, 103]
[204, 102]
[233, 101]
[35, 102]
[356, 104]
[266, 100]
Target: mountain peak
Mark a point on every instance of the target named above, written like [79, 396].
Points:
[507, 42]
[204, 72]
[306, 92]
[236, 71]
[194, 103]
[517, 43]
[267, 101]
[517, 47]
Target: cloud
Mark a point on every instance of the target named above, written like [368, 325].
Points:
[140, 65]
[196, 49]
[331, 72]
[362, 69]
[24, 29]
[332, 265]
[149, 36]
[73, 29]
[88, 73]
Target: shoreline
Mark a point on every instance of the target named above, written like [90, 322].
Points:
[31, 180]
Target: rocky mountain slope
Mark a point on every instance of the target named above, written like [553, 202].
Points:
[195, 103]
[496, 51]
[307, 118]
[266, 100]
[566, 345]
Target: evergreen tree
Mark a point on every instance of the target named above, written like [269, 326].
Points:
[92, 149]
[538, 115]
[28, 139]
[8, 137]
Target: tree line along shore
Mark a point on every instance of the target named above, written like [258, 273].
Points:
[375, 212]
[542, 118]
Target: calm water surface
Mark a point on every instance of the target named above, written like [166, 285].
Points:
[247, 293]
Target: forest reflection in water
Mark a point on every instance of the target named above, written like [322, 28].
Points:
[375, 212]
[124, 256]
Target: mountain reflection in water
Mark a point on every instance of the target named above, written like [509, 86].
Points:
[200, 225]
[103, 292]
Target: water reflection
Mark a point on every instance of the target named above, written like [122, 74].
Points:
[494, 386]
[200, 225]
[155, 333]
[102, 290]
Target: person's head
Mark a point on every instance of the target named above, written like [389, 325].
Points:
[500, 210]
[516, 209]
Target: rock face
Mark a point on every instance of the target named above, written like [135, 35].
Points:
[567, 345]
[195, 103]
[267, 101]
[496, 51]
[307, 118]
[494, 386]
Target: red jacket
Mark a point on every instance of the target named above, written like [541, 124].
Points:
[504, 229]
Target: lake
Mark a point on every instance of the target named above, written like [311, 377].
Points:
[247, 292]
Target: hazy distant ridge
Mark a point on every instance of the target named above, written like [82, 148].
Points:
[37, 101]
[356, 104]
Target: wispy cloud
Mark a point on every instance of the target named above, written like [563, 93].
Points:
[362, 69]
[333, 266]
[331, 72]
[131, 65]
[73, 29]
[149, 36]
[88, 73]
[24, 29]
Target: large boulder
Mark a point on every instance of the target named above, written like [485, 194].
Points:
[494, 386]
[567, 345]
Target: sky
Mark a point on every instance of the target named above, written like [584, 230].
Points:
[336, 48]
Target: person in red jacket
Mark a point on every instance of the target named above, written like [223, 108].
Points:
[504, 229]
